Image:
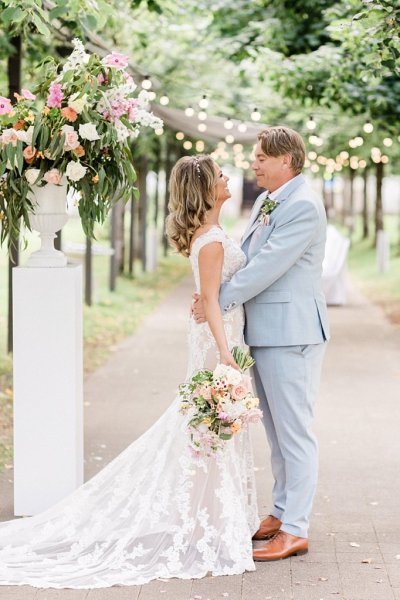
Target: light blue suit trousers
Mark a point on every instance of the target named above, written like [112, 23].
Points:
[287, 330]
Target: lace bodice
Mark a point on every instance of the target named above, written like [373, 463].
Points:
[202, 348]
[234, 258]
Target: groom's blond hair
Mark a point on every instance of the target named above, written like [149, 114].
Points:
[279, 140]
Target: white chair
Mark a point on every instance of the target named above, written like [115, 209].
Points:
[334, 267]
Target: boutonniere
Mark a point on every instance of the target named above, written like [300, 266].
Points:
[266, 209]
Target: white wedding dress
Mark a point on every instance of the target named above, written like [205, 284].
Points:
[153, 511]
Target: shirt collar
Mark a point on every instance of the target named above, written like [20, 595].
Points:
[277, 192]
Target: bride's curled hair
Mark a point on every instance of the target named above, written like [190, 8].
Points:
[192, 189]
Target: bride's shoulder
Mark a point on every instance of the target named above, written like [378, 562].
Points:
[206, 235]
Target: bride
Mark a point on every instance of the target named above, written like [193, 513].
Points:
[155, 511]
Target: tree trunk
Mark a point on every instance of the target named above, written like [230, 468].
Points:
[365, 217]
[168, 168]
[119, 236]
[378, 203]
[142, 186]
[14, 85]
[350, 216]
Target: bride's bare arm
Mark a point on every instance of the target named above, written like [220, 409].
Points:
[211, 258]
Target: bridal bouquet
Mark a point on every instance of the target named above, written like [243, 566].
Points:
[218, 405]
[75, 128]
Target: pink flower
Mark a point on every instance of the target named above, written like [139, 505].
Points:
[55, 96]
[223, 416]
[204, 390]
[100, 79]
[116, 60]
[5, 106]
[246, 382]
[132, 110]
[53, 176]
[29, 154]
[9, 136]
[27, 94]
[239, 391]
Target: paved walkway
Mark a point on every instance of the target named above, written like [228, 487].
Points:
[355, 537]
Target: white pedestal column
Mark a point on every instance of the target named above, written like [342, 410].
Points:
[48, 386]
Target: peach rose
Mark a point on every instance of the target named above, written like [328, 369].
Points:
[71, 137]
[204, 390]
[79, 151]
[69, 114]
[239, 391]
[29, 154]
[53, 176]
[236, 426]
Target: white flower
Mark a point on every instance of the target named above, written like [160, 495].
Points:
[231, 375]
[122, 132]
[29, 134]
[31, 175]
[75, 171]
[88, 132]
[77, 58]
[77, 104]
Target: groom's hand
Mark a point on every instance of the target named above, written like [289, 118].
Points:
[198, 309]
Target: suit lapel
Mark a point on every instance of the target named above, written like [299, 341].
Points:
[285, 193]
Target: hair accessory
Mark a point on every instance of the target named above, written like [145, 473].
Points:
[197, 165]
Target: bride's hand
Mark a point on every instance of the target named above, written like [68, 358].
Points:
[226, 358]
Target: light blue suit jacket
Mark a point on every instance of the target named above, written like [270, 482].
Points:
[280, 286]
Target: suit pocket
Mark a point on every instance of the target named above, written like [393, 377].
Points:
[271, 296]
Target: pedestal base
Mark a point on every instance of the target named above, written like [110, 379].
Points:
[48, 386]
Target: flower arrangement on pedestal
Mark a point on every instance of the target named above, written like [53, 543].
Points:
[79, 136]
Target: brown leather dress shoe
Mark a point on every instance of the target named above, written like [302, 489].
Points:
[280, 546]
[268, 528]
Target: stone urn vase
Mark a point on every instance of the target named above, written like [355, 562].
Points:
[48, 216]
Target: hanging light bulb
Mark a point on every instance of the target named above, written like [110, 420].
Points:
[189, 111]
[203, 102]
[146, 83]
[255, 115]
[187, 145]
[180, 135]
[229, 139]
[368, 127]
[311, 124]
[200, 146]
[202, 127]
[159, 131]
[152, 96]
[164, 100]
[242, 127]
[202, 115]
[228, 124]
[387, 142]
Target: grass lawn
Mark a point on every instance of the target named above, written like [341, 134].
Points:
[382, 288]
[113, 315]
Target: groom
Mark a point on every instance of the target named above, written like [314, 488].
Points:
[286, 329]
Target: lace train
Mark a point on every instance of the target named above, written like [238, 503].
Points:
[152, 512]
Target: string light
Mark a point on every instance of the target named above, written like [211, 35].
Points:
[229, 139]
[203, 102]
[146, 83]
[202, 115]
[200, 146]
[387, 142]
[312, 155]
[368, 127]
[189, 111]
[384, 159]
[187, 145]
[228, 124]
[311, 124]
[152, 96]
[255, 115]
[362, 164]
[159, 131]
[344, 155]
[180, 135]
[314, 168]
[164, 100]
[242, 127]
[202, 127]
